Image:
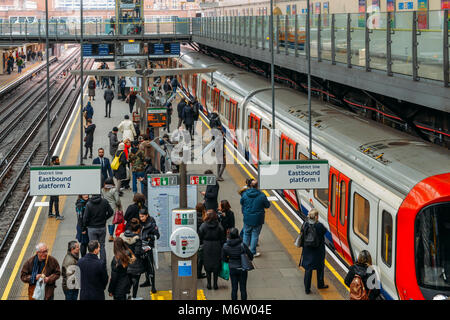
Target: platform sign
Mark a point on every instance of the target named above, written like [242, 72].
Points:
[292, 174]
[184, 218]
[164, 180]
[65, 180]
[184, 242]
[98, 51]
[164, 50]
[135, 89]
[205, 179]
[156, 117]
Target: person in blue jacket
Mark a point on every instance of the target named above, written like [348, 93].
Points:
[253, 203]
[89, 110]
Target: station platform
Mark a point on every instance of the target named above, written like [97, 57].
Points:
[30, 67]
[276, 275]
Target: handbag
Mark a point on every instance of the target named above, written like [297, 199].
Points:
[225, 271]
[120, 229]
[298, 240]
[246, 264]
[116, 162]
[118, 217]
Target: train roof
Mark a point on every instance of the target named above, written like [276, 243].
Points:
[397, 158]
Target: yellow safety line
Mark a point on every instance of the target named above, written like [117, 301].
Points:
[30, 233]
[329, 266]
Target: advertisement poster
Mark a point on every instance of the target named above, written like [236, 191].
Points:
[422, 14]
[390, 5]
[375, 5]
[445, 4]
[318, 7]
[326, 12]
[362, 11]
[294, 9]
[288, 9]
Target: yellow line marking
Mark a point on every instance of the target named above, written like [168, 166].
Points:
[296, 228]
[167, 295]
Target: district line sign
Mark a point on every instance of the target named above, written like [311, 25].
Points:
[65, 180]
[293, 174]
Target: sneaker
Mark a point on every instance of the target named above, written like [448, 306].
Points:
[323, 287]
[257, 254]
[111, 239]
[51, 215]
[220, 179]
[59, 217]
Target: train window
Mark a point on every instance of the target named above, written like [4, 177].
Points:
[208, 95]
[342, 193]
[361, 217]
[265, 145]
[301, 156]
[322, 196]
[291, 151]
[333, 195]
[285, 149]
[221, 105]
[238, 119]
[386, 238]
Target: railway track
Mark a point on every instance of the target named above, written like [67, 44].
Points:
[31, 149]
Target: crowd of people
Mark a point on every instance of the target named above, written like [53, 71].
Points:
[20, 58]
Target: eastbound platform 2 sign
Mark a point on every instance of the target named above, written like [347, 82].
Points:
[291, 174]
[65, 180]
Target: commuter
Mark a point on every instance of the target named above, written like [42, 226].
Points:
[113, 82]
[113, 141]
[137, 168]
[253, 203]
[82, 235]
[134, 208]
[201, 216]
[196, 108]
[20, 64]
[88, 111]
[127, 150]
[169, 108]
[54, 200]
[188, 117]
[120, 284]
[211, 194]
[313, 253]
[41, 267]
[212, 235]
[131, 99]
[70, 284]
[10, 64]
[105, 79]
[97, 212]
[180, 108]
[132, 239]
[122, 85]
[174, 84]
[94, 276]
[214, 121]
[149, 233]
[359, 279]
[111, 194]
[112, 25]
[91, 87]
[121, 172]
[108, 96]
[106, 170]
[248, 183]
[89, 129]
[145, 146]
[231, 253]
[167, 87]
[221, 156]
[226, 216]
[126, 127]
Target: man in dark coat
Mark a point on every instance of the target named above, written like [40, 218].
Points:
[89, 129]
[180, 108]
[169, 108]
[253, 203]
[105, 165]
[313, 258]
[94, 276]
[188, 118]
[211, 194]
[113, 141]
[96, 213]
[108, 96]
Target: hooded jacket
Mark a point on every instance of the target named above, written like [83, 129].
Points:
[254, 203]
[134, 243]
[232, 251]
[97, 212]
[67, 270]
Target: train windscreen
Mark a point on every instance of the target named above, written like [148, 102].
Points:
[432, 244]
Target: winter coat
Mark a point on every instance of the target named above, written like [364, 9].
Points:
[212, 235]
[52, 271]
[121, 172]
[150, 231]
[113, 143]
[211, 194]
[196, 109]
[91, 86]
[97, 212]
[120, 284]
[108, 95]
[89, 111]
[361, 270]
[134, 243]
[132, 212]
[232, 251]
[313, 258]
[94, 277]
[188, 115]
[137, 161]
[112, 196]
[89, 139]
[180, 108]
[80, 206]
[146, 147]
[127, 129]
[253, 203]
[68, 269]
[227, 220]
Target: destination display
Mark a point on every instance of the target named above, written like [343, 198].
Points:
[156, 117]
[164, 50]
[98, 51]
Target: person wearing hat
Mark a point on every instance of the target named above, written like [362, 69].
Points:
[113, 141]
[121, 172]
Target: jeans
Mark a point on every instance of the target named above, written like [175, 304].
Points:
[54, 201]
[308, 277]
[136, 175]
[238, 278]
[111, 228]
[131, 105]
[251, 236]
[71, 294]
[99, 234]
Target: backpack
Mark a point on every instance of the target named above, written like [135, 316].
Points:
[214, 121]
[91, 84]
[357, 289]
[116, 162]
[310, 238]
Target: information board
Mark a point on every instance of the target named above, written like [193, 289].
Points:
[164, 50]
[65, 180]
[292, 174]
[156, 117]
[161, 202]
[98, 50]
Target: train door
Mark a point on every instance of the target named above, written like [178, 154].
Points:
[288, 151]
[204, 89]
[194, 85]
[215, 99]
[254, 123]
[232, 116]
[265, 142]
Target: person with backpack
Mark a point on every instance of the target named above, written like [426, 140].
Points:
[313, 254]
[196, 108]
[180, 108]
[91, 87]
[122, 85]
[359, 279]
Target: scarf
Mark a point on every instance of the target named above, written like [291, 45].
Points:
[37, 269]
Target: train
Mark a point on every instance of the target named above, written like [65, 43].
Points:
[389, 192]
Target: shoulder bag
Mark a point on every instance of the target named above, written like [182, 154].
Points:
[246, 263]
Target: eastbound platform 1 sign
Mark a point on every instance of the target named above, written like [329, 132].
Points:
[65, 180]
[291, 174]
